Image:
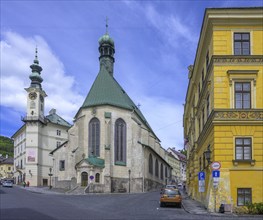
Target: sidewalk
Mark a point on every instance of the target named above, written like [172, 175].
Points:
[43, 190]
[195, 207]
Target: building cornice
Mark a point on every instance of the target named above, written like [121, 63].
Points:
[233, 117]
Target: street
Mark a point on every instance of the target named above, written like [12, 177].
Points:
[17, 203]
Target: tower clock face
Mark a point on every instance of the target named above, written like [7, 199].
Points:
[32, 95]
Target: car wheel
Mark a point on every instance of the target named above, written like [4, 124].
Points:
[180, 205]
[161, 204]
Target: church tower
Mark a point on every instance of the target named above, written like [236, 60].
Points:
[107, 50]
[35, 121]
[36, 96]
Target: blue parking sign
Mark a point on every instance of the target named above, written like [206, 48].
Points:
[216, 173]
[201, 176]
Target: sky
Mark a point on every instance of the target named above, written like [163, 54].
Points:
[155, 42]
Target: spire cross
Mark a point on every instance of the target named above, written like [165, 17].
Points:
[107, 19]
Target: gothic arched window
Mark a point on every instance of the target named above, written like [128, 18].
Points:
[150, 164]
[161, 171]
[156, 168]
[94, 137]
[120, 141]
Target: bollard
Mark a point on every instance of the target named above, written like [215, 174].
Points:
[222, 208]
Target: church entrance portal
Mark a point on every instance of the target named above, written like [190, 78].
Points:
[84, 179]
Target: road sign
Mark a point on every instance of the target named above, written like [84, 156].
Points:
[216, 165]
[216, 173]
[201, 176]
[201, 185]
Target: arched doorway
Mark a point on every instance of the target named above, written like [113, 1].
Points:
[84, 179]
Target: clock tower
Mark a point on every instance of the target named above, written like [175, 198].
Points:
[35, 125]
[36, 96]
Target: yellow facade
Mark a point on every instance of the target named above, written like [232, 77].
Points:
[224, 108]
[6, 170]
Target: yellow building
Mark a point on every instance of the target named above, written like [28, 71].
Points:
[223, 112]
[6, 167]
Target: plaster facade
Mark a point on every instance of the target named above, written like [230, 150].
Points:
[214, 118]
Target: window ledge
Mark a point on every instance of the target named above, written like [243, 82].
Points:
[236, 162]
[120, 163]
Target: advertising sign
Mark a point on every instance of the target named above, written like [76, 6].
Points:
[31, 155]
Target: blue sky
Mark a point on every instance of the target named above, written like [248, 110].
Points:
[155, 42]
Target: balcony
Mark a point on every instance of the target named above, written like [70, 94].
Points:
[33, 119]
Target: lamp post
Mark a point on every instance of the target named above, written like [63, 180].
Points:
[129, 171]
[50, 175]
[208, 155]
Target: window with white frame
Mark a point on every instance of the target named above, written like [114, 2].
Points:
[243, 89]
[243, 148]
[241, 43]
[244, 196]
[242, 95]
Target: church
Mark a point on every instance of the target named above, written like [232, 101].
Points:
[110, 147]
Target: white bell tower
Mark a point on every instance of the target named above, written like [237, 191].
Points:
[35, 122]
[36, 96]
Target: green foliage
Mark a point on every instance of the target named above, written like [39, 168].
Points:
[255, 208]
[6, 146]
[183, 152]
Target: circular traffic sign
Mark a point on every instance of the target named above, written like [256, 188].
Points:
[215, 165]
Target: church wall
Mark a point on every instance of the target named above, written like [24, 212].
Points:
[80, 130]
[114, 178]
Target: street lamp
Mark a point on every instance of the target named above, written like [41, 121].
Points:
[208, 155]
[50, 175]
[129, 171]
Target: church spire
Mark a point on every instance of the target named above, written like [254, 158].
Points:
[107, 50]
[35, 77]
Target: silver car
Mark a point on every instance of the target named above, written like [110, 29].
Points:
[7, 183]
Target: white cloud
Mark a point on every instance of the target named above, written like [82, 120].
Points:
[172, 29]
[17, 55]
[163, 115]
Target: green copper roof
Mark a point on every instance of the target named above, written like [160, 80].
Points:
[56, 119]
[106, 39]
[107, 91]
[96, 161]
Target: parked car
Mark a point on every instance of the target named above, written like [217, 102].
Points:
[171, 197]
[8, 183]
[170, 187]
